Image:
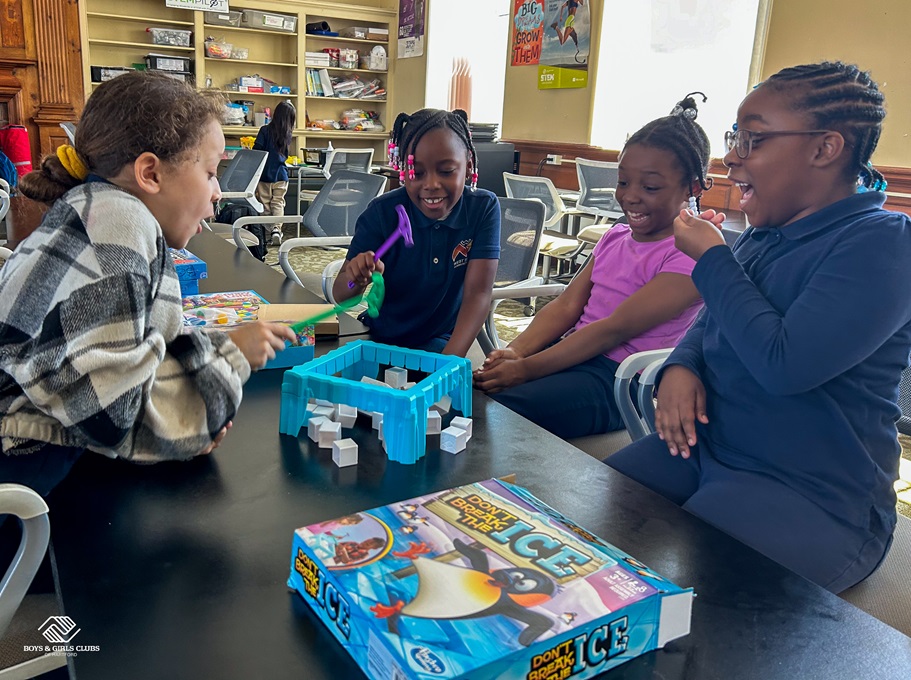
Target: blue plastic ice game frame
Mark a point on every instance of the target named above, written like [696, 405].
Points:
[336, 377]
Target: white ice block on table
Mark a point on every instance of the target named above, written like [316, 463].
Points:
[376, 419]
[453, 439]
[346, 415]
[462, 424]
[434, 422]
[344, 452]
[396, 377]
[328, 433]
[327, 412]
[314, 425]
[444, 404]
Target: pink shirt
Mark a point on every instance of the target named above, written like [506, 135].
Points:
[622, 266]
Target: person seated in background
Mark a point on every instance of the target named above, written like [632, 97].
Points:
[437, 292]
[776, 413]
[634, 293]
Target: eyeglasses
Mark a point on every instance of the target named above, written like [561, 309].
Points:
[742, 140]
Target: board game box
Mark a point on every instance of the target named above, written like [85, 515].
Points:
[228, 309]
[189, 270]
[481, 581]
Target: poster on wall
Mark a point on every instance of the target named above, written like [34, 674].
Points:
[567, 33]
[207, 5]
[411, 28]
[527, 32]
[566, 45]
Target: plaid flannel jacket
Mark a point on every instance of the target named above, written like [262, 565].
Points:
[92, 353]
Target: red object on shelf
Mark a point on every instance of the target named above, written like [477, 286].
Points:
[14, 142]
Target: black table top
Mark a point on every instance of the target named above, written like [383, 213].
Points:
[230, 268]
[178, 570]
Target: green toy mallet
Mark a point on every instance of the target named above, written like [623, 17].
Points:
[373, 298]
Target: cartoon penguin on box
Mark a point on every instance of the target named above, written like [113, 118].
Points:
[448, 591]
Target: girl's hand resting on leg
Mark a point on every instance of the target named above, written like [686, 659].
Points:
[259, 341]
[507, 372]
[681, 401]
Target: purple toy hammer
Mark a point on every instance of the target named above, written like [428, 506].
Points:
[403, 229]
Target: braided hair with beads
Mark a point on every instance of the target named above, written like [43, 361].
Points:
[840, 97]
[408, 130]
[681, 135]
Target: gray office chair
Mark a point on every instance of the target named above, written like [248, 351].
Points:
[554, 244]
[353, 160]
[597, 184]
[521, 226]
[332, 216]
[21, 615]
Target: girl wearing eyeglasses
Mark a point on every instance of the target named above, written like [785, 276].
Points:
[778, 407]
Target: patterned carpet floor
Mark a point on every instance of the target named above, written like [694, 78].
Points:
[511, 320]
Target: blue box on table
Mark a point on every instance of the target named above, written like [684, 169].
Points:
[226, 310]
[189, 270]
[481, 581]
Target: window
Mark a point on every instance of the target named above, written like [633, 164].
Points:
[653, 52]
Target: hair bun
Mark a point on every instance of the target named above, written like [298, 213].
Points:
[686, 107]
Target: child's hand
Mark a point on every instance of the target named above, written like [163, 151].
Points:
[361, 266]
[218, 439]
[694, 235]
[681, 401]
[259, 341]
[499, 355]
[507, 373]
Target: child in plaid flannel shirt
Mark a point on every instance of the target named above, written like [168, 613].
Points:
[93, 353]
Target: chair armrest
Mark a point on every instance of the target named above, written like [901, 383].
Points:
[27, 505]
[514, 290]
[624, 375]
[312, 242]
[259, 219]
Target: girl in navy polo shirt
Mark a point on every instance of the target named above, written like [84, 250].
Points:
[437, 292]
[777, 410]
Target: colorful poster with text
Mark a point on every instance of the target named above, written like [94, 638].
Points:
[528, 31]
[411, 28]
[567, 33]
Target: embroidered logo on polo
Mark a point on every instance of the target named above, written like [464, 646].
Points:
[460, 253]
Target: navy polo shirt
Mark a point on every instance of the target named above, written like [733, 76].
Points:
[275, 170]
[424, 283]
[805, 333]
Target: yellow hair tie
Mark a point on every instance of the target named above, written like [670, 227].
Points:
[71, 162]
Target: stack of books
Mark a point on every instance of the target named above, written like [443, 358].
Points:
[317, 59]
[483, 132]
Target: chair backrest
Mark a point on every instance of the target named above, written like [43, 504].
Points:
[521, 224]
[340, 202]
[30, 508]
[541, 188]
[357, 160]
[238, 181]
[4, 203]
[597, 183]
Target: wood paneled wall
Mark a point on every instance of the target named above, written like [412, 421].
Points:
[41, 68]
[722, 196]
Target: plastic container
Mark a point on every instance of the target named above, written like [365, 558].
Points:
[359, 32]
[102, 74]
[347, 58]
[218, 50]
[159, 62]
[268, 21]
[170, 36]
[229, 18]
[240, 52]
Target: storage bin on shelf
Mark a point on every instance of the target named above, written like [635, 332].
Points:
[174, 37]
[269, 21]
[218, 50]
[160, 62]
[229, 18]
